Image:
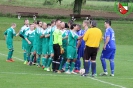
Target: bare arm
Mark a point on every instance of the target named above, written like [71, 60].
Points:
[48, 35]
[28, 41]
[106, 42]
[79, 43]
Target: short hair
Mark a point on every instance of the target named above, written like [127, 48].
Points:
[87, 22]
[31, 24]
[57, 20]
[93, 23]
[48, 24]
[25, 19]
[108, 22]
[79, 26]
[66, 25]
[70, 22]
[52, 21]
[35, 22]
[38, 21]
[13, 24]
[72, 26]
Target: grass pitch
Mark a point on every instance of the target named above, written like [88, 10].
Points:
[18, 75]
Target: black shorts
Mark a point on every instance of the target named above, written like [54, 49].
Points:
[90, 53]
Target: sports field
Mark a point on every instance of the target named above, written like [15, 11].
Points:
[18, 75]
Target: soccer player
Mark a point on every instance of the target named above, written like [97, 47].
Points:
[64, 45]
[39, 31]
[71, 49]
[57, 45]
[51, 50]
[30, 34]
[9, 34]
[92, 39]
[24, 42]
[45, 42]
[109, 48]
[80, 47]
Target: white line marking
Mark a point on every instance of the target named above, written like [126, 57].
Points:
[62, 75]
[13, 57]
[107, 82]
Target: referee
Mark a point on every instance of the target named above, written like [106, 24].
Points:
[92, 39]
[57, 43]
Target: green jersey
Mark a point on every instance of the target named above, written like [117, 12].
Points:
[10, 33]
[72, 39]
[51, 35]
[39, 32]
[22, 32]
[30, 35]
[64, 41]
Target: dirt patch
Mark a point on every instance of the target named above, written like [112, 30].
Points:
[62, 12]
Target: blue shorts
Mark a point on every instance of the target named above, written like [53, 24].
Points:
[80, 52]
[108, 54]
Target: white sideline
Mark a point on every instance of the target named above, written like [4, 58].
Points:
[13, 57]
[60, 75]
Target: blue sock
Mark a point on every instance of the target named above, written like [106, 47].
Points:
[112, 66]
[86, 67]
[104, 64]
[77, 64]
[93, 67]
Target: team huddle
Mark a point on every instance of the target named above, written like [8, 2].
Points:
[63, 44]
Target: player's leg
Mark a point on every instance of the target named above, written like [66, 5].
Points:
[50, 59]
[39, 52]
[86, 60]
[112, 65]
[105, 54]
[24, 49]
[10, 52]
[93, 60]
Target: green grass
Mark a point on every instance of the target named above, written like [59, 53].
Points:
[18, 75]
[66, 4]
[123, 29]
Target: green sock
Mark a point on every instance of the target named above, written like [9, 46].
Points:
[67, 66]
[62, 63]
[38, 60]
[25, 56]
[9, 55]
[32, 57]
[49, 62]
[46, 62]
[72, 66]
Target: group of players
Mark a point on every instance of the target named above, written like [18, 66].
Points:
[58, 43]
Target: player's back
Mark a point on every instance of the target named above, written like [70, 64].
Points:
[72, 39]
[93, 36]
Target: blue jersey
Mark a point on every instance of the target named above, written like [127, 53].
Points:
[110, 33]
[81, 33]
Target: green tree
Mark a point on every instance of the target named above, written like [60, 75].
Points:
[77, 6]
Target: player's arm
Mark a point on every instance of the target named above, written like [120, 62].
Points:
[107, 39]
[42, 36]
[65, 37]
[85, 36]
[48, 35]
[106, 42]
[21, 34]
[78, 43]
[25, 37]
[5, 33]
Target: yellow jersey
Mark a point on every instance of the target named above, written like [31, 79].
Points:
[92, 37]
